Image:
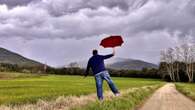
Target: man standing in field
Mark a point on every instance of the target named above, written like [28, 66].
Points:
[96, 63]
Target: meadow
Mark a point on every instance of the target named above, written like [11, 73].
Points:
[28, 89]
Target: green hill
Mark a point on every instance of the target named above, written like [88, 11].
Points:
[131, 64]
[8, 57]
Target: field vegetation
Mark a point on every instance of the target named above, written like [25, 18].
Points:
[27, 88]
[187, 89]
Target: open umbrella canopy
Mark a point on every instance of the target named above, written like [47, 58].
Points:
[112, 41]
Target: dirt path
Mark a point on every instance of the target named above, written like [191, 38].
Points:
[168, 98]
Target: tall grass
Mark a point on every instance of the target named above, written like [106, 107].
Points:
[128, 101]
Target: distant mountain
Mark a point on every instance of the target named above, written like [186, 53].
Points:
[123, 63]
[9, 57]
[131, 64]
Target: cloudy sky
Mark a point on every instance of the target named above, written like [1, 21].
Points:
[62, 31]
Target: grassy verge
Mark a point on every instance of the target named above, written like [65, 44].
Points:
[128, 101]
[187, 89]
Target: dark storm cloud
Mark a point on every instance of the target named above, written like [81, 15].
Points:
[60, 7]
[85, 18]
[13, 3]
[155, 24]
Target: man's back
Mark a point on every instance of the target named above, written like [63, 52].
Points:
[96, 62]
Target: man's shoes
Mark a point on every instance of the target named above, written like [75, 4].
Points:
[117, 94]
[101, 99]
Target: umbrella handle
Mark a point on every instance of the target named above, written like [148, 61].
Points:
[114, 52]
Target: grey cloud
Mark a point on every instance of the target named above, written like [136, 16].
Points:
[61, 7]
[13, 3]
[172, 16]
[61, 26]
[97, 17]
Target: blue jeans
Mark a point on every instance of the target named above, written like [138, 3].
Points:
[104, 75]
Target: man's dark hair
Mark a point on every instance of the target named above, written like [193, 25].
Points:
[95, 52]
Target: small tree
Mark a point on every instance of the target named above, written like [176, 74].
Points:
[167, 57]
[188, 59]
[178, 59]
[73, 65]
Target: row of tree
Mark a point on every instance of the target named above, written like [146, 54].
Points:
[144, 73]
[177, 61]
[4, 67]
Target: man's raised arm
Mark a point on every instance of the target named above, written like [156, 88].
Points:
[114, 52]
[110, 55]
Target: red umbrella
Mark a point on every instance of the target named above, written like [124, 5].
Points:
[112, 41]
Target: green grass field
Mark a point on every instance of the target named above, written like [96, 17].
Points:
[187, 89]
[29, 89]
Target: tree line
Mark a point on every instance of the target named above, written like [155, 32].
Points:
[5, 67]
[144, 73]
